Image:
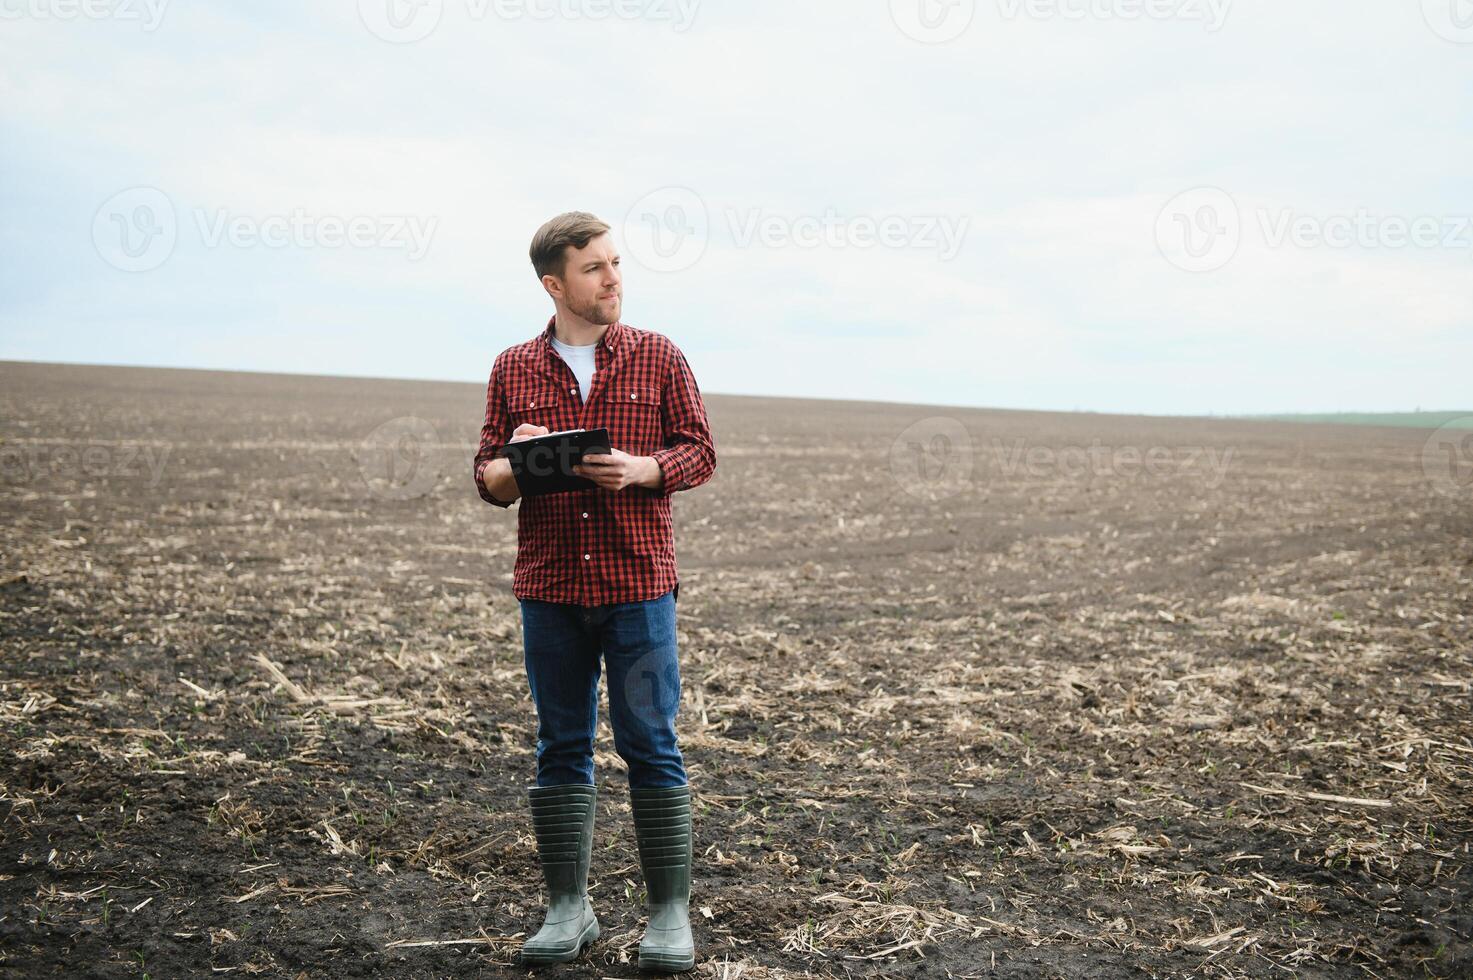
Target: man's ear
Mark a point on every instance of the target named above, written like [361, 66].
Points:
[553, 286]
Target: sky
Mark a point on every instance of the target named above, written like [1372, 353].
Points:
[1179, 207]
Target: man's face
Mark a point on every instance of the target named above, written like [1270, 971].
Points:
[593, 286]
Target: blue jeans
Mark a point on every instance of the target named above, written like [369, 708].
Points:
[562, 643]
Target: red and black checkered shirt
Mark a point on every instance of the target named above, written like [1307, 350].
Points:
[592, 547]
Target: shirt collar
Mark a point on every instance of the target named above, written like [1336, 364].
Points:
[610, 340]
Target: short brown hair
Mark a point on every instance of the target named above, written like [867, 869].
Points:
[549, 245]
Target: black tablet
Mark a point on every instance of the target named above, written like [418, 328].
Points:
[544, 464]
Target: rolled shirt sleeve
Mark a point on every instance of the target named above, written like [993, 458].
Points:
[495, 431]
[689, 458]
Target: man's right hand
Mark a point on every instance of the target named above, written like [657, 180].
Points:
[527, 431]
[500, 482]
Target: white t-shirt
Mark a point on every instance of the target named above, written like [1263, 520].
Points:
[580, 359]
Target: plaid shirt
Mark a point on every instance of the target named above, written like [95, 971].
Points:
[593, 546]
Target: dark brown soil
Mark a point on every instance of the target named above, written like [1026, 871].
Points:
[263, 708]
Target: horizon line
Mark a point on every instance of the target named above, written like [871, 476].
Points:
[732, 394]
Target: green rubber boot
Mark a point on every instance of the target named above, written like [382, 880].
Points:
[662, 827]
[562, 819]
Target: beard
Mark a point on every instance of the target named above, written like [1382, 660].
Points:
[602, 312]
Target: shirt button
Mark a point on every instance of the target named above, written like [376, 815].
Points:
[633, 395]
[585, 513]
[587, 557]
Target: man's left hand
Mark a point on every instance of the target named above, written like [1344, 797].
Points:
[618, 469]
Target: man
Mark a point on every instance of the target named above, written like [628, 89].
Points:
[595, 575]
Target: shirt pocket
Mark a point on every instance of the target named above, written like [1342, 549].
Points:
[635, 416]
[539, 404]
